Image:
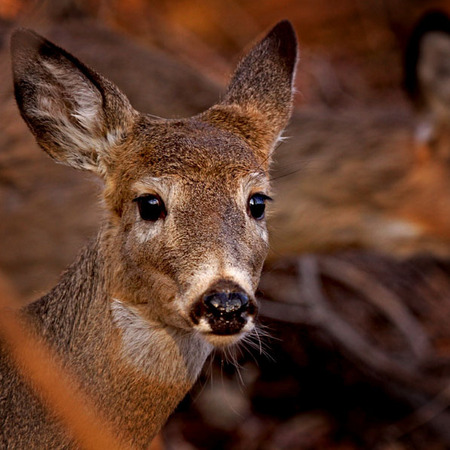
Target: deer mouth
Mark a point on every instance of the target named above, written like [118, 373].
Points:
[224, 313]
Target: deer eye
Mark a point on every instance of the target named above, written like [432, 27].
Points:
[257, 205]
[151, 207]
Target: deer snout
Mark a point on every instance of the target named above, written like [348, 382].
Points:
[224, 310]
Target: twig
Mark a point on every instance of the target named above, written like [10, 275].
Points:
[286, 312]
[342, 332]
[381, 297]
[424, 414]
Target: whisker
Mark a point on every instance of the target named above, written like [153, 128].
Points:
[286, 174]
[255, 340]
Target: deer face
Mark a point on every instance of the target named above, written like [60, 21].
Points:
[186, 237]
[189, 229]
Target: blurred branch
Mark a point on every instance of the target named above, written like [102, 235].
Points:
[313, 309]
[342, 332]
[424, 414]
[383, 299]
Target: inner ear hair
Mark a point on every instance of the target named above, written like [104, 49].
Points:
[76, 115]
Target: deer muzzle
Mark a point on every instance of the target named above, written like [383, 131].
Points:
[224, 310]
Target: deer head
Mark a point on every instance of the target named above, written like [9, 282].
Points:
[184, 237]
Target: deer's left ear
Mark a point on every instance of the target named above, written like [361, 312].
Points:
[258, 102]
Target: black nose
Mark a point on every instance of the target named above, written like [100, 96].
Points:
[226, 304]
[226, 312]
[226, 307]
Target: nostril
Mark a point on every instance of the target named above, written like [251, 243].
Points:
[216, 301]
[237, 301]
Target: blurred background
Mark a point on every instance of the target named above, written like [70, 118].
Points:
[353, 46]
[354, 351]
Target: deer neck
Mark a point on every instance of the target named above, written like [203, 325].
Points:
[137, 370]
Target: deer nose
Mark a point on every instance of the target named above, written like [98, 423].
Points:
[225, 308]
[226, 312]
[226, 304]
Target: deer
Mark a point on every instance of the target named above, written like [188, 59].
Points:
[173, 270]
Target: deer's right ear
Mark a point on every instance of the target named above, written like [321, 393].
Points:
[76, 115]
[258, 102]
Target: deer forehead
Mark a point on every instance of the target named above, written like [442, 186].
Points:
[189, 147]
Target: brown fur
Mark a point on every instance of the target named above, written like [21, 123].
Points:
[121, 315]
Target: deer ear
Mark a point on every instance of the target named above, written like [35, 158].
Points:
[258, 102]
[76, 115]
[427, 69]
